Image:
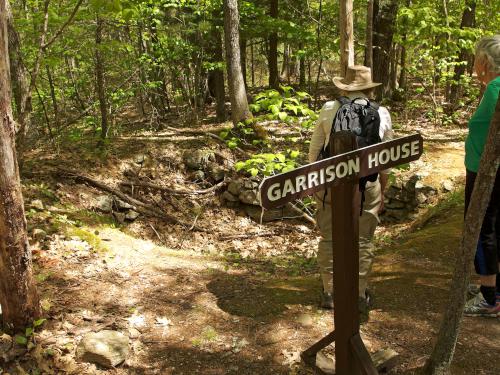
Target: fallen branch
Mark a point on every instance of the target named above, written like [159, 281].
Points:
[139, 206]
[165, 189]
[302, 213]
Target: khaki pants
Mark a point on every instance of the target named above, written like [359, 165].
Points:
[367, 223]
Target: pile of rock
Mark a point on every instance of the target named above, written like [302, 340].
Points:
[243, 192]
[404, 196]
[122, 211]
[204, 165]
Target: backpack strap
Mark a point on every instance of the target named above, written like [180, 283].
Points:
[343, 100]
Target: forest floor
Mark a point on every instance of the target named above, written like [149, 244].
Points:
[217, 302]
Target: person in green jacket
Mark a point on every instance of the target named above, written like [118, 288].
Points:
[486, 262]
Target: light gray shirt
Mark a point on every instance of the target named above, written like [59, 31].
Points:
[321, 133]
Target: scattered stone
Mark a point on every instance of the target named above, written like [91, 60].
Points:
[255, 213]
[305, 320]
[385, 360]
[235, 187]
[106, 348]
[39, 234]
[134, 333]
[132, 215]
[228, 197]
[394, 205]
[216, 172]
[249, 197]
[250, 184]
[121, 205]
[447, 185]
[326, 364]
[104, 203]
[37, 204]
[198, 175]
[5, 344]
[421, 198]
[140, 159]
[198, 159]
[119, 216]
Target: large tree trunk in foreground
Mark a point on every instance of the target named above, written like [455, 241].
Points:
[346, 36]
[385, 12]
[237, 92]
[442, 355]
[18, 295]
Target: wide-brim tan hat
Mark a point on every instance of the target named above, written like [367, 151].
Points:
[358, 77]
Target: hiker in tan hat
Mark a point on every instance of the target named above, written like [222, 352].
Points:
[356, 86]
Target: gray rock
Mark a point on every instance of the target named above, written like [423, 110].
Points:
[106, 348]
[39, 234]
[119, 216]
[392, 192]
[395, 205]
[447, 185]
[249, 197]
[132, 215]
[305, 320]
[251, 185]
[37, 204]
[198, 175]
[228, 197]
[121, 205]
[216, 172]
[198, 159]
[104, 203]
[255, 213]
[5, 344]
[235, 187]
[421, 198]
[140, 159]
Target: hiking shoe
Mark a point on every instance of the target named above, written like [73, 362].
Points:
[326, 300]
[479, 307]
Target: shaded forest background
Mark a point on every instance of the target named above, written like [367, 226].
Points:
[89, 68]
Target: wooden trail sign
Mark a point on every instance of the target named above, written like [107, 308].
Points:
[341, 173]
[277, 190]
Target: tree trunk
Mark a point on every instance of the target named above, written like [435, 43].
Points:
[302, 69]
[468, 20]
[393, 81]
[216, 76]
[442, 355]
[346, 36]
[18, 295]
[243, 54]
[100, 85]
[273, 49]
[19, 75]
[284, 64]
[369, 35]
[385, 12]
[253, 64]
[53, 95]
[237, 92]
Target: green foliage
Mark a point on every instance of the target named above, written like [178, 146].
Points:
[269, 164]
[286, 106]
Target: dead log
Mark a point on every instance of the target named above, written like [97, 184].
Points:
[139, 206]
[168, 190]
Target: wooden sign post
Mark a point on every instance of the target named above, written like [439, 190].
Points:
[341, 173]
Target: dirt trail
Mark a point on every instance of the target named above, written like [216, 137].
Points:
[196, 303]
